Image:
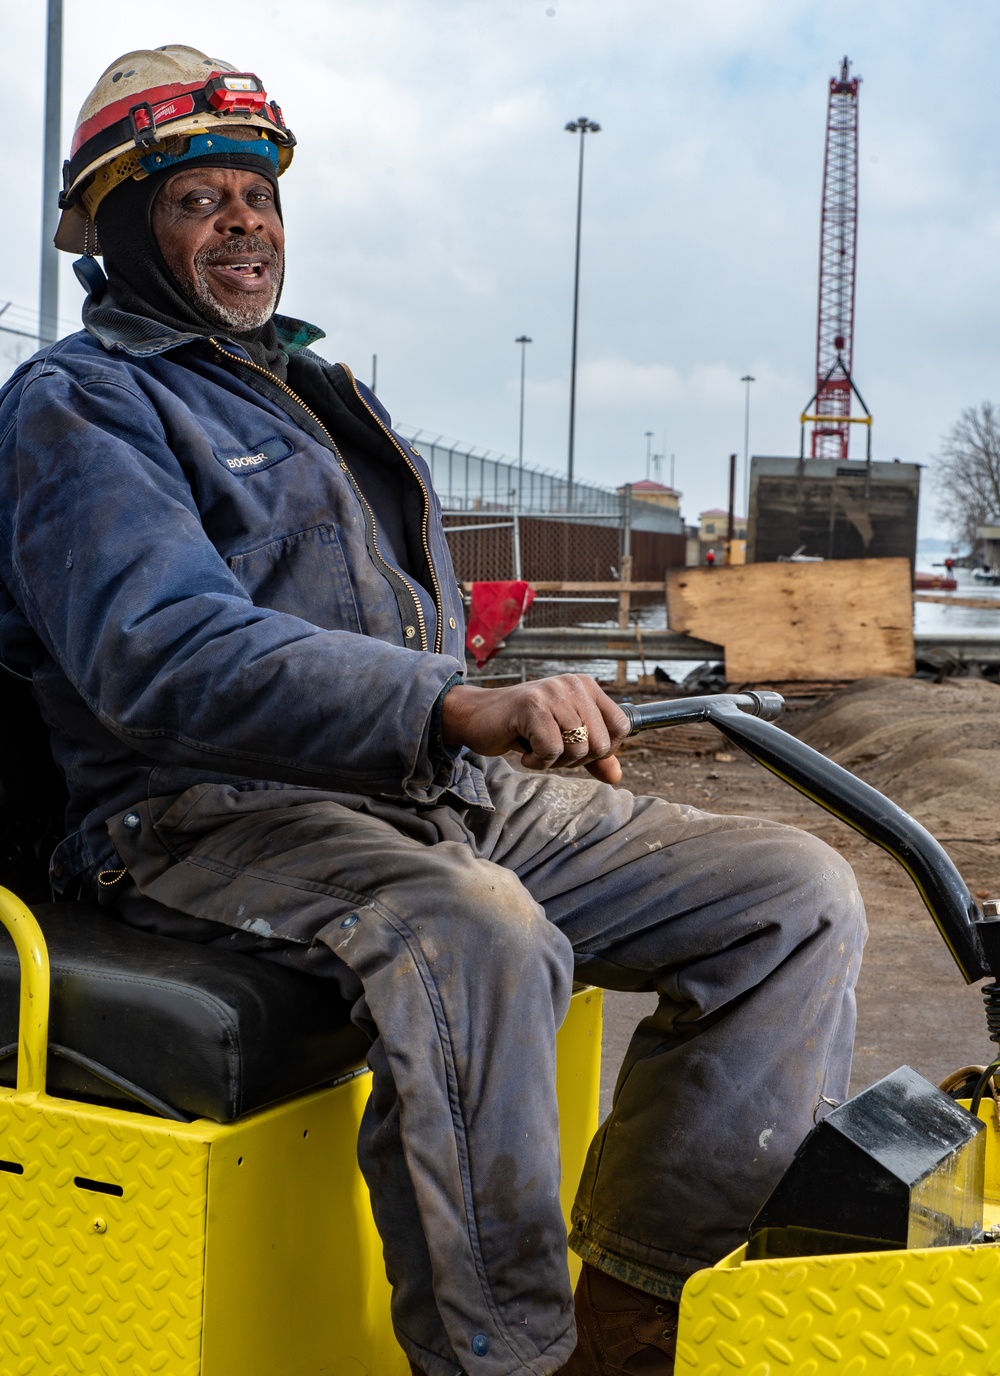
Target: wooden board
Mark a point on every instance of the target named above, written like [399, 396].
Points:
[840, 619]
[561, 585]
[983, 603]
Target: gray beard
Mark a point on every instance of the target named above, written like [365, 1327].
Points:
[251, 315]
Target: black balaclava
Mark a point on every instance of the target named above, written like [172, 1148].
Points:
[141, 283]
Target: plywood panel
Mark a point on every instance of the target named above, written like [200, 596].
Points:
[841, 619]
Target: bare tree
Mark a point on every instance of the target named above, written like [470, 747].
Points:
[968, 472]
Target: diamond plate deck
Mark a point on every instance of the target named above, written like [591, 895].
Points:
[892, 1313]
[932, 1312]
[91, 1282]
[195, 1268]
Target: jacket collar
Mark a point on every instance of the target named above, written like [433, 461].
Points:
[120, 330]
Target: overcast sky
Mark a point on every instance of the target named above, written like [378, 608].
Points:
[430, 207]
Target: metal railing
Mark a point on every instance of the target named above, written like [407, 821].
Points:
[469, 481]
[465, 480]
[15, 347]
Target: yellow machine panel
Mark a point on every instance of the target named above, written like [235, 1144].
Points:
[929, 1312]
[129, 1244]
[102, 1239]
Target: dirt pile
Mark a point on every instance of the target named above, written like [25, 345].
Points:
[932, 748]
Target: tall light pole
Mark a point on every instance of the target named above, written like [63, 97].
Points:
[523, 340]
[649, 441]
[48, 292]
[746, 448]
[582, 126]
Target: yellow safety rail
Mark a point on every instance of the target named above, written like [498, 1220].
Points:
[33, 1023]
[836, 420]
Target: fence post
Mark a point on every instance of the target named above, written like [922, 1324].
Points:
[624, 598]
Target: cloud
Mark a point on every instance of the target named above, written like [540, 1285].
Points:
[431, 207]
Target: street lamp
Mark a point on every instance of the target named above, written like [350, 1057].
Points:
[523, 340]
[48, 292]
[649, 441]
[581, 126]
[746, 451]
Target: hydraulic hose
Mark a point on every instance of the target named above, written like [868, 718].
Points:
[745, 719]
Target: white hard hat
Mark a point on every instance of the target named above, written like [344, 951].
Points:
[141, 105]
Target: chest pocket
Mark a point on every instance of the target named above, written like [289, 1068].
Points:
[246, 461]
[303, 574]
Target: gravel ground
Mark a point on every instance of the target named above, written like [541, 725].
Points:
[930, 747]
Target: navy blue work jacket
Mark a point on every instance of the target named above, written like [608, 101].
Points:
[193, 582]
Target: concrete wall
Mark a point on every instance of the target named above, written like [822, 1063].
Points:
[848, 510]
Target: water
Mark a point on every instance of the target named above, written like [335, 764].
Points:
[649, 618]
[938, 616]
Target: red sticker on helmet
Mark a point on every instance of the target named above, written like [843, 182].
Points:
[119, 110]
[173, 109]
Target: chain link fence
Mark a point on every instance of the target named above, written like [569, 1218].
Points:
[467, 481]
[539, 550]
[508, 520]
[489, 545]
[15, 347]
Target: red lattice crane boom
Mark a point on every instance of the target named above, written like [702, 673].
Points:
[831, 405]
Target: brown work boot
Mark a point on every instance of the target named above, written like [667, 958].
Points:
[621, 1331]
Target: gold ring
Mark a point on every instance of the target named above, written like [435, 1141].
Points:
[578, 734]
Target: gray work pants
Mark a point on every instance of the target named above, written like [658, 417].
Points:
[458, 933]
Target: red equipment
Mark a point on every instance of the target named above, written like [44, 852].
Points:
[837, 261]
[496, 609]
[236, 91]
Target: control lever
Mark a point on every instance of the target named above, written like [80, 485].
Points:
[746, 720]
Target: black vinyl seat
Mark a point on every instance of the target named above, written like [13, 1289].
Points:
[204, 1032]
[144, 1020]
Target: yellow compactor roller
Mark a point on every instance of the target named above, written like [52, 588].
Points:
[177, 1132]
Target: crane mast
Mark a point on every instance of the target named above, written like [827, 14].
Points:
[837, 262]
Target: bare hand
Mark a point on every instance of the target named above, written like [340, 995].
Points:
[531, 717]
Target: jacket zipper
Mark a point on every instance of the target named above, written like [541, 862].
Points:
[370, 514]
[438, 601]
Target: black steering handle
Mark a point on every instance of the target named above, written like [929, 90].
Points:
[745, 719]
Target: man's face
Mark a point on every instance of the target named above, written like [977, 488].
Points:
[219, 231]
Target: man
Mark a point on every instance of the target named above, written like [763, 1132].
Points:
[228, 583]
